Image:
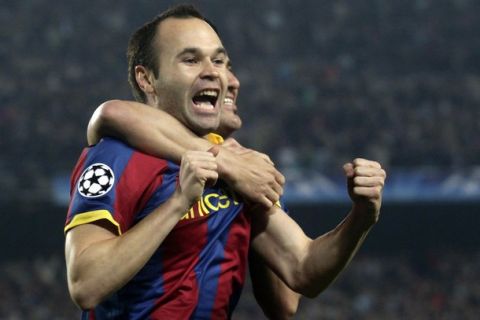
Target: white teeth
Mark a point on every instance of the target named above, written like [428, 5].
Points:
[228, 101]
[211, 93]
[205, 105]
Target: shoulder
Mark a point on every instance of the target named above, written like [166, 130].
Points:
[111, 146]
[118, 159]
[112, 150]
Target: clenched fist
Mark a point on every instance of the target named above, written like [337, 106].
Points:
[197, 169]
[365, 180]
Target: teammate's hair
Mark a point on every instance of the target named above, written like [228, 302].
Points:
[141, 50]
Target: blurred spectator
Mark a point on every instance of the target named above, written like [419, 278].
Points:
[322, 82]
[398, 81]
[402, 286]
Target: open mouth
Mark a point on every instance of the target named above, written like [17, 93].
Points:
[206, 99]
[229, 104]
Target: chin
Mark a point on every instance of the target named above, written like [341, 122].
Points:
[236, 123]
[203, 128]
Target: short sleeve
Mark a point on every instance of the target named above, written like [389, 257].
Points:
[95, 184]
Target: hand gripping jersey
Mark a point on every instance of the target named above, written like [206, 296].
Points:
[198, 271]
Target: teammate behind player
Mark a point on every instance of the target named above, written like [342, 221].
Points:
[114, 117]
[198, 269]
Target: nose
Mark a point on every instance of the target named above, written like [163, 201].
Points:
[233, 82]
[210, 71]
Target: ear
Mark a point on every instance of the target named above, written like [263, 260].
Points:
[144, 79]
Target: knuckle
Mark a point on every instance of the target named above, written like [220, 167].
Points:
[358, 161]
[381, 182]
[188, 157]
[375, 193]
[357, 170]
[192, 165]
[357, 181]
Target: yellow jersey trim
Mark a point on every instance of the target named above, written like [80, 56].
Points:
[214, 138]
[91, 216]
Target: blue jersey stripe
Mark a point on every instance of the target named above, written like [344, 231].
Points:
[212, 255]
[234, 298]
[163, 192]
[142, 292]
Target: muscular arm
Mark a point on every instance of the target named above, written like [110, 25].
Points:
[150, 130]
[146, 128]
[275, 298]
[158, 133]
[92, 253]
[309, 266]
[99, 262]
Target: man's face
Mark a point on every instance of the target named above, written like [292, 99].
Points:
[192, 77]
[230, 121]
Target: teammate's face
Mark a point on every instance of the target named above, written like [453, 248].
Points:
[230, 121]
[192, 77]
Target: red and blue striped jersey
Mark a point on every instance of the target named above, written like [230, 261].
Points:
[199, 270]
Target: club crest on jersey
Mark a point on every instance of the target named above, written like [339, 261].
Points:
[96, 180]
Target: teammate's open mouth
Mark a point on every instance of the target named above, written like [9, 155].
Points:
[206, 99]
[229, 104]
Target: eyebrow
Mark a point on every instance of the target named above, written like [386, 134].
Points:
[194, 50]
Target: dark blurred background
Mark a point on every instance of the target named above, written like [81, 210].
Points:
[322, 82]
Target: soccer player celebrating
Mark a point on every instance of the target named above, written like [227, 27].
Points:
[146, 238]
[126, 118]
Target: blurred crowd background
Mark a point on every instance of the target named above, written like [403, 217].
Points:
[322, 82]
[375, 287]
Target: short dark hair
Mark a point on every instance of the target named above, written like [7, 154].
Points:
[141, 50]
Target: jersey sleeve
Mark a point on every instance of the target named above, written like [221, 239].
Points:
[96, 183]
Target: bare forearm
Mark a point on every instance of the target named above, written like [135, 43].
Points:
[307, 266]
[330, 253]
[96, 271]
[156, 132]
[275, 298]
[146, 128]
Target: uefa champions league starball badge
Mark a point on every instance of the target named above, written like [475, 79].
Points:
[96, 180]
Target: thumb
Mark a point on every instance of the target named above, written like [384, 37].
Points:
[349, 173]
[348, 170]
[214, 150]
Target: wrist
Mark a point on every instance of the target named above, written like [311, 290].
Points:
[224, 162]
[365, 215]
[181, 203]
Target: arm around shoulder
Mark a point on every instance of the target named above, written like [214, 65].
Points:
[144, 127]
